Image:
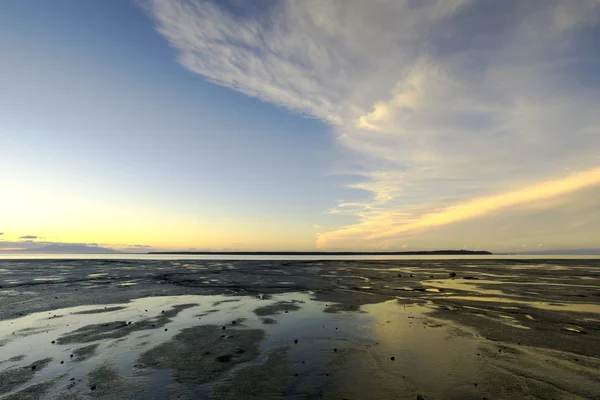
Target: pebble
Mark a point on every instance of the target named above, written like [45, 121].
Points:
[53, 342]
[33, 367]
[452, 274]
[296, 341]
[392, 358]
[93, 388]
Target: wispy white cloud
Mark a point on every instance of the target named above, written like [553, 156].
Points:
[442, 101]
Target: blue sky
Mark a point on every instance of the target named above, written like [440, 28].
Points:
[299, 125]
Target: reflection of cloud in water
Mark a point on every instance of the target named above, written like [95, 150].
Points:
[573, 307]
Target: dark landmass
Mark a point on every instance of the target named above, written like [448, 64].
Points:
[329, 253]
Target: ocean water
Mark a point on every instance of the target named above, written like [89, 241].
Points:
[138, 256]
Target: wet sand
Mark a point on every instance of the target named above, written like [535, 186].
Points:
[456, 329]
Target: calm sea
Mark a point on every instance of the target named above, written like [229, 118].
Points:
[28, 256]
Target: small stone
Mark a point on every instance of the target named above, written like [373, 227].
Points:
[33, 367]
[296, 341]
[392, 358]
[62, 362]
[54, 341]
[166, 329]
[421, 397]
[93, 388]
[71, 355]
[224, 358]
[452, 274]
[286, 311]
[162, 312]
[335, 350]
[233, 322]
[223, 327]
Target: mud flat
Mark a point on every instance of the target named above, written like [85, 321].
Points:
[455, 329]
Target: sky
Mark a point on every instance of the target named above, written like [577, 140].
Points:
[300, 125]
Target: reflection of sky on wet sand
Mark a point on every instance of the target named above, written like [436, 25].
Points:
[331, 345]
[338, 355]
[433, 357]
[573, 307]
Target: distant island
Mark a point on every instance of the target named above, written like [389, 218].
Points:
[330, 253]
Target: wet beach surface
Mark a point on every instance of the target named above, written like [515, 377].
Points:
[456, 329]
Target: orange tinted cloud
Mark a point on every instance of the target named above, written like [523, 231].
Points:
[379, 227]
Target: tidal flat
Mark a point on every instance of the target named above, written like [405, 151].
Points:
[348, 329]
